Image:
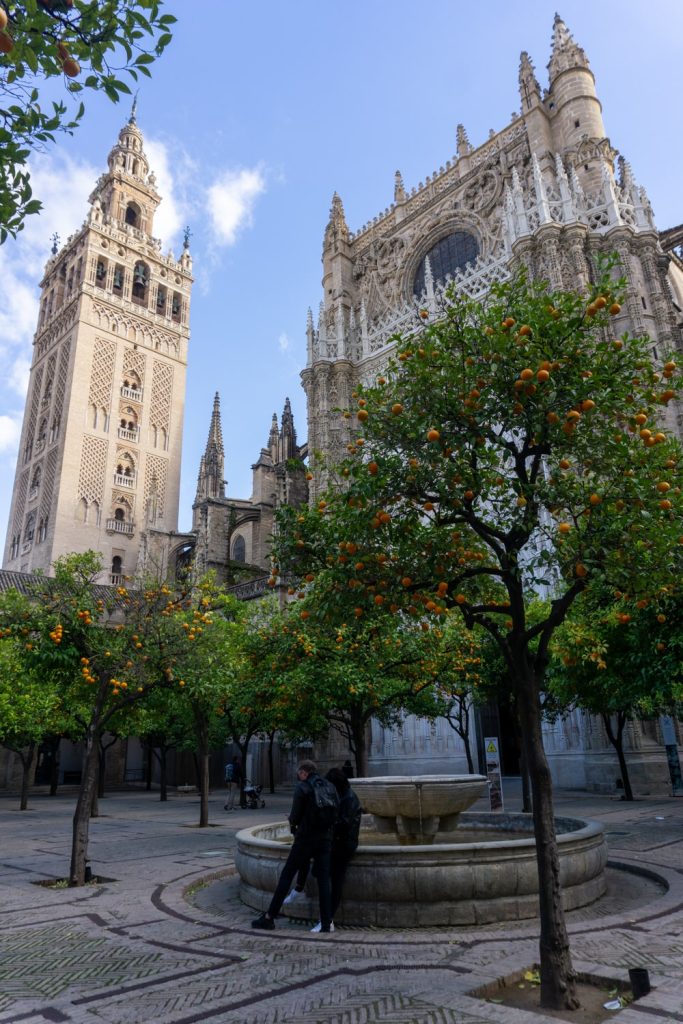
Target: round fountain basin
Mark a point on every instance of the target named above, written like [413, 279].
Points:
[451, 882]
[413, 795]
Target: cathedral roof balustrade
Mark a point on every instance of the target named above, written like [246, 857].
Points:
[455, 171]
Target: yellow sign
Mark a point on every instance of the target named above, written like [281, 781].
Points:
[492, 748]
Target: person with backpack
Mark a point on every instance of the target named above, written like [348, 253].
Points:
[314, 813]
[344, 842]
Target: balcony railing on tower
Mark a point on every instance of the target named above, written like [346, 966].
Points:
[120, 526]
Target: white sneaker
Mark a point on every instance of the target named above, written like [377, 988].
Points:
[293, 896]
[317, 927]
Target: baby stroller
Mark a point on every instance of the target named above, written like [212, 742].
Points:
[252, 796]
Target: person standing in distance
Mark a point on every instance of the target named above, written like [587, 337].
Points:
[312, 841]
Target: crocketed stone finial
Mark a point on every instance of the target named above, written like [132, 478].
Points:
[565, 52]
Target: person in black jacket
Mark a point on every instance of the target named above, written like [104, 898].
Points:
[311, 842]
[344, 842]
[345, 838]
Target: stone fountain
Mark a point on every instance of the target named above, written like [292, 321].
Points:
[424, 860]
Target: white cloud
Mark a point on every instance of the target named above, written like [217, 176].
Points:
[17, 377]
[284, 342]
[169, 217]
[10, 429]
[63, 185]
[231, 201]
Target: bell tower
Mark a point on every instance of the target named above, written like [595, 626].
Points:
[101, 439]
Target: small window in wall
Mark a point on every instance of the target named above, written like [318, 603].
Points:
[161, 301]
[42, 530]
[133, 215]
[239, 549]
[176, 307]
[117, 285]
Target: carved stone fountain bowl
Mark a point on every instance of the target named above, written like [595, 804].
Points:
[412, 796]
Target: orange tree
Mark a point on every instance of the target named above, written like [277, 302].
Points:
[30, 709]
[331, 672]
[104, 649]
[511, 445]
[622, 659]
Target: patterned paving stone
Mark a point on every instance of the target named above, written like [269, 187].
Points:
[43, 962]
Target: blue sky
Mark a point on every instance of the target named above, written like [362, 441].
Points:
[258, 112]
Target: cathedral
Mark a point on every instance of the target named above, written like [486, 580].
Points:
[100, 454]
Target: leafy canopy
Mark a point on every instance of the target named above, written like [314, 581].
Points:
[511, 447]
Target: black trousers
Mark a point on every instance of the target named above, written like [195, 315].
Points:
[304, 850]
[339, 862]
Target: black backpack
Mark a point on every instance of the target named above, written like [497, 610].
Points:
[325, 803]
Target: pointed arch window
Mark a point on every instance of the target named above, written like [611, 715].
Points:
[239, 549]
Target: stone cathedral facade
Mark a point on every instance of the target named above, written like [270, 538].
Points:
[546, 193]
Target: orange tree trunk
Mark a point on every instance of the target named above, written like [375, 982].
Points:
[558, 988]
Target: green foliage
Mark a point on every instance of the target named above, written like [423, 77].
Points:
[616, 655]
[91, 45]
[511, 447]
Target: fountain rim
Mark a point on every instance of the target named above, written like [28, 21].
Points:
[416, 780]
[589, 828]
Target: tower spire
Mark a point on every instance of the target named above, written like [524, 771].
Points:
[210, 483]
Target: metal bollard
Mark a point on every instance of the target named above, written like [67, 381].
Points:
[640, 981]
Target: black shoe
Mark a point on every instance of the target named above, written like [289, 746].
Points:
[266, 923]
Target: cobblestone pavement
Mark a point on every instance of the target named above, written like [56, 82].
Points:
[164, 938]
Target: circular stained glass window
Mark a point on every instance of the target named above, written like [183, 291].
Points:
[450, 254]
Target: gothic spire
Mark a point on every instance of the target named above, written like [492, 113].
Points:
[288, 433]
[399, 188]
[337, 229]
[529, 89]
[565, 52]
[215, 440]
[274, 435]
[463, 143]
[211, 468]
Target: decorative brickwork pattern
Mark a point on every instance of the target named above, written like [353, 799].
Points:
[48, 483]
[61, 378]
[156, 475]
[134, 362]
[102, 374]
[162, 387]
[93, 468]
[35, 403]
[21, 501]
[135, 330]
